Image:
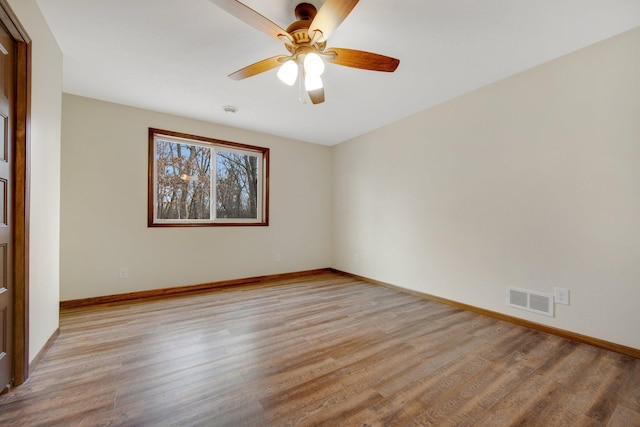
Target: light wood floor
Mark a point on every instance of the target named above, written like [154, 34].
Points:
[319, 350]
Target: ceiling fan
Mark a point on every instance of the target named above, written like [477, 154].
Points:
[306, 41]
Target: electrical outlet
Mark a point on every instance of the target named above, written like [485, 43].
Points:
[124, 272]
[278, 258]
[561, 295]
[356, 258]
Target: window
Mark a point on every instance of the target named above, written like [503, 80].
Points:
[198, 181]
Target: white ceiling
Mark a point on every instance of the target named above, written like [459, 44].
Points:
[174, 56]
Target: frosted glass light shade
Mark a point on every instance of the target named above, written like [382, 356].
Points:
[312, 83]
[313, 64]
[288, 72]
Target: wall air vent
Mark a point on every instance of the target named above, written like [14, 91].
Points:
[533, 301]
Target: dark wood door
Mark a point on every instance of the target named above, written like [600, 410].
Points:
[7, 108]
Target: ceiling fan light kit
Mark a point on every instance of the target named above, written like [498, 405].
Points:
[288, 72]
[305, 39]
[313, 64]
[312, 83]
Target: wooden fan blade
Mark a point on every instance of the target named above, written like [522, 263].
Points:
[316, 96]
[363, 60]
[259, 67]
[253, 18]
[330, 16]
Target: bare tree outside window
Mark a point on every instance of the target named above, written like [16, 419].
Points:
[183, 181]
[202, 181]
[237, 185]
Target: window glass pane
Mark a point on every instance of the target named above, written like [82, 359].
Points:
[183, 180]
[236, 185]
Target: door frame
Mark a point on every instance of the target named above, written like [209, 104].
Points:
[21, 173]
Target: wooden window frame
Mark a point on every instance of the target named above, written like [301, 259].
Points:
[263, 198]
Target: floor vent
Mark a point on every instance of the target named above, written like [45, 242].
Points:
[536, 302]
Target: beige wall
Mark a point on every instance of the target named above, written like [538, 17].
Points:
[44, 238]
[104, 208]
[531, 182]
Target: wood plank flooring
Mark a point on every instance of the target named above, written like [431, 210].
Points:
[323, 350]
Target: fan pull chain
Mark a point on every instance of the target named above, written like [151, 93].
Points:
[302, 93]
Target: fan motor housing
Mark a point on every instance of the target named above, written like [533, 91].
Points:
[299, 30]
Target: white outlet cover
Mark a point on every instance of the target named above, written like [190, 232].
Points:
[561, 295]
